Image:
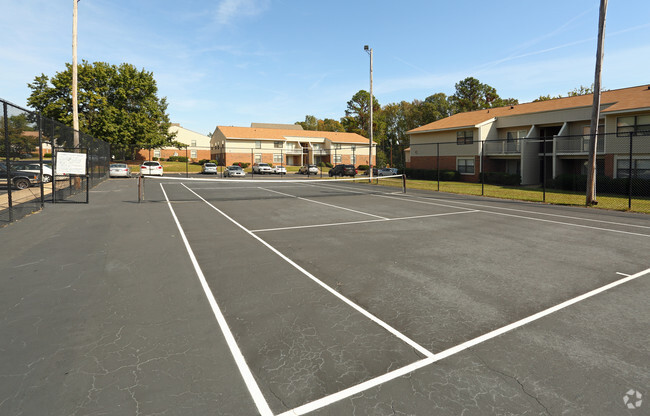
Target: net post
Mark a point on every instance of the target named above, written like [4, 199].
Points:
[403, 183]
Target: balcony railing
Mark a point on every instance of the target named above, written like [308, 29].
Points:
[502, 147]
[575, 145]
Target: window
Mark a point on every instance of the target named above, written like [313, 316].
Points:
[258, 144]
[337, 146]
[277, 145]
[353, 159]
[638, 125]
[258, 158]
[466, 166]
[316, 146]
[193, 143]
[277, 157]
[193, 154]
[640, 168]
[156, 153]
[465, 137]
[337, 158]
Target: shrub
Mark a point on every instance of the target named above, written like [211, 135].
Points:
[243, 165]
[203, 161]
[501, 178]
[363, 167]
[47, 155]
[181, 158]
[154, 158]
[432, 174]
[172, 159]
[321, 164]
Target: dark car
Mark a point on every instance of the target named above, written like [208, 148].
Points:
[19, 179]
[343, 170]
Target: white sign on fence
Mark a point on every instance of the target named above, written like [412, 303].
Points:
[70, 163]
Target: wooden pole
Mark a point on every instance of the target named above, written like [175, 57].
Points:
[595, 112]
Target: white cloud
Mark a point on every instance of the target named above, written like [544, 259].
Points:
[229, 10]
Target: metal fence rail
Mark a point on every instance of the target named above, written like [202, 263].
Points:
[544, 169]
[28, 146]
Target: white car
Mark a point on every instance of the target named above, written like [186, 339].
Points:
[309, 170]
[35, 168]
[209, 167]
[280, 170]
[386, 172]
[151, 168]
[234, 171]
[120, 170]
[262, 168]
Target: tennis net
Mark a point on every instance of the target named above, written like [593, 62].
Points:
[152, 188]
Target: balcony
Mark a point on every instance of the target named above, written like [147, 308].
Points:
[502, 147]
[577, 145]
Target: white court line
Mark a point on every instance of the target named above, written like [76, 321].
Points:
[324, 203]
[622, 274]
[325, 401]
[529, 212]
[361, 222]
[353, 305]
[253, 388]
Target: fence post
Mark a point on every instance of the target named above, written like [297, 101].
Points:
[629, 190]
[40, 158]
[481, 169]
[544, 169]
[438, 164]
[8, 159]
[187, 164]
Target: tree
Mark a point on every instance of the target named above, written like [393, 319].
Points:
[117, 104]
[581, 90]
[472, 95]
[357, 114]
[19, 141]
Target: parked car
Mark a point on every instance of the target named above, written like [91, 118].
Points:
[279, 170]
[120, 170]
[262, 168]
[232, 171]
[19, 179]
[151, 168]
[386, 172]
[343, 170]
[309, 170]
[209, 167]
[35, 168]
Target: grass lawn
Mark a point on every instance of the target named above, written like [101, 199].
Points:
[553, 196]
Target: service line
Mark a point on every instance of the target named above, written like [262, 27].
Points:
[351, 391]
[296, 227]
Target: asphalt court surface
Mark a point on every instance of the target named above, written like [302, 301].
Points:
[375, 304]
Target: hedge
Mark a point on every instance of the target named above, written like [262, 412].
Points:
[432, 174]
[501, 178]
[604, 185]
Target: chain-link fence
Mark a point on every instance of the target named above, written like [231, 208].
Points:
[29, 144]
[190, 159]
[543, 169]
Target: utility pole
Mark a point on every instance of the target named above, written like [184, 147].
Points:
[75, 105]
[595, 112]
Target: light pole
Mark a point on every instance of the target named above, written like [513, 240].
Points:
[369, 50]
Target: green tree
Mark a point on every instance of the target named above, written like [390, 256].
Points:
[19, 142]
[473, 95]
[581, 90]
[357, 114]
[118, 104]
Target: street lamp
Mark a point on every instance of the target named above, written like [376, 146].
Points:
[369, 51]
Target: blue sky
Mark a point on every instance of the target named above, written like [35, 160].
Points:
[233, 62]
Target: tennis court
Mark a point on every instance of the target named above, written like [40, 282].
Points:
[347, 298]
[288, 297]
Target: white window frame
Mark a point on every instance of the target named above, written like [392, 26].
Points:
[258, 144]
[337, 158]
[258, 158]
[459, 159]
[278, 144]
[353, 159]
[277, 157]
[156, 152]
[336, 146]
[193, 154]
[465, 139]
[193, 143]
